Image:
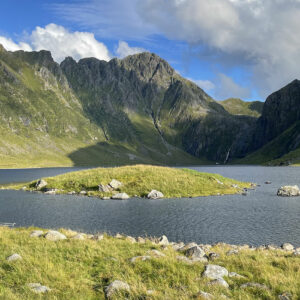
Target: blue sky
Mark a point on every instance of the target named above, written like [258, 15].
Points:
[230, 48]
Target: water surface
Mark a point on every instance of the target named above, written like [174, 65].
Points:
[259, 218]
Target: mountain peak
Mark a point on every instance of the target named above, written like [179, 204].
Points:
[2, 49]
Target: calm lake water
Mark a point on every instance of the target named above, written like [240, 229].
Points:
[259, 218]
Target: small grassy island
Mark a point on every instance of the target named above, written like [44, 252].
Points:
[42, 264]
[137, 181]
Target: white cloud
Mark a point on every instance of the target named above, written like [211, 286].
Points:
[10, 45]
[206, 85]
[61, 43]
[227, 88]
[259, 35]
[124, 50]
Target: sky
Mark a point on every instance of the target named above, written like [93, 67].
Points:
[231, 48]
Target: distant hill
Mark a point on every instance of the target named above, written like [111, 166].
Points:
[239, 107]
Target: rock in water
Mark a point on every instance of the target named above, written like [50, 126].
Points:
[288, 191]
[115, 184]
[116, 286]
[41, 184]
[214, 272]
[54, 236]
[155, 195]
[120, 196]
[163, 240]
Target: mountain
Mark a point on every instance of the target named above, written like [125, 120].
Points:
[276, 138]
[131, 110]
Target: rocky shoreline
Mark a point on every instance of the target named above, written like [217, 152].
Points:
[189, 254]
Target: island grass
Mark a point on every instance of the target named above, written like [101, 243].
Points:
[76, 269]
[139, 180]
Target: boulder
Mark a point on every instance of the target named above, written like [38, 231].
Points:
[195, 252]
[268, 182]
[79, 236]
[140, 258]
[54, 236]
[219, 282]
[163, 240]
[14, 257]
[50, 192]
[204, 296]
[254, 285]
[36, 233]
[287, 247]
[155, 253]
[104, 188]
[120, 196]
[285, 296]
[38, 288]
[40, 184]
[214, 272]
[213, 256]
[115, 184]
[232, 252]
[98, 237]
[141, 240]
[115, 287]
[155, 195]
[187, 246]
[130, 239]
[235, 275]
[288, 191]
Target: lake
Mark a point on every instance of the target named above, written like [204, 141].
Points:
[256, 219]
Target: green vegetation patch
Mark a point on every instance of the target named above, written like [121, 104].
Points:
[82, 269]
[139, 180]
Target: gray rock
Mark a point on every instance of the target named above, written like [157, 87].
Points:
[213, 256]
[54, 236]
[130, 239]
[14, 257]
[104, 188]
[204, 296]
[140, 258]
[115, 287]
[288, 191]
[155, 195]
[83, 192]
[51, 192]
[98, 237]
[178, 246]
[235, 275]
[232, 252]
[187, 246]
[163, 240]
[214, 272]
[195, 252]
[41, 184]
[120, 196]
[296, 253]
[36, 233]
[71, 193]
[115, 184]
[38, 288]
[141, 240]
[119, 236]
[285, 296]
[287, 247]
[254, 285]
[219, 282]
[268, 182]
[155, 253]
[105, 198]
[79, 236]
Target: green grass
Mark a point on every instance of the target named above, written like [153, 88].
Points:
[141, 179]
[75, 269]
[239, 107]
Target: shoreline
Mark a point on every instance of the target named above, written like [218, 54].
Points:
[67, 264]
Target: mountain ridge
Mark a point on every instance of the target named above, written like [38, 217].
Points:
[131, 110]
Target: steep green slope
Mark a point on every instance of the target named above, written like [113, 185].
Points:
[239, 107]
[43, 122]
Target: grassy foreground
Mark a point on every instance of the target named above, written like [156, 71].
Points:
[139, 180]
[81, 269]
